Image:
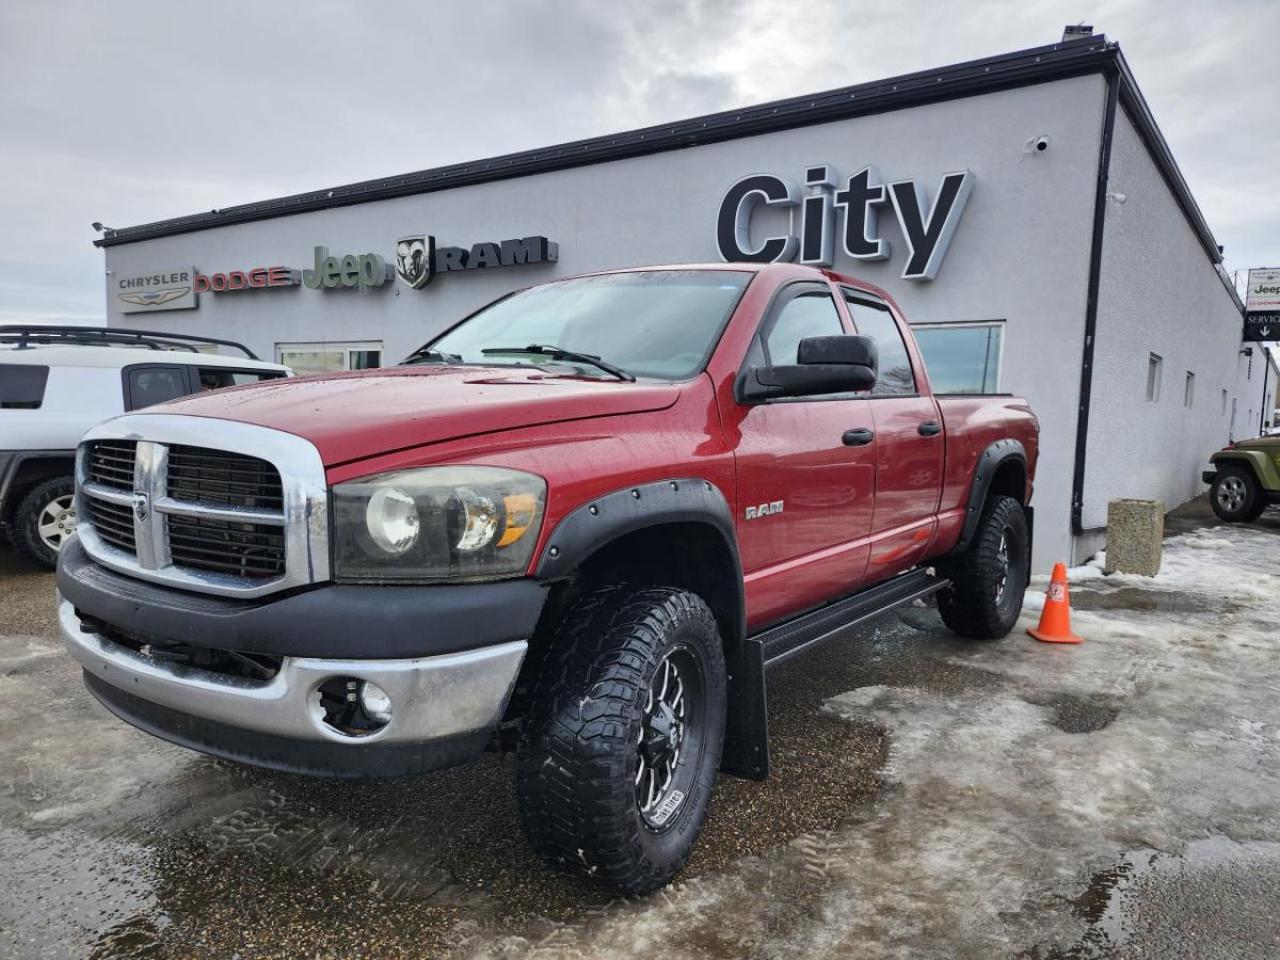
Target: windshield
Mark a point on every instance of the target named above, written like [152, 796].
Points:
[661, 324]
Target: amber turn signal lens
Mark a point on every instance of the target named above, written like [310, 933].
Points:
[521, 510]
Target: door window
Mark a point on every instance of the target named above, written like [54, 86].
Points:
[145, 386]
[808, 314]
[330, 357]
[894, 377]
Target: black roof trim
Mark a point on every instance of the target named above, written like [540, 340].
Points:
[1021, 68]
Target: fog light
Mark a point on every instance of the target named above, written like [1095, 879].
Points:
[351, 706]
[375, 701]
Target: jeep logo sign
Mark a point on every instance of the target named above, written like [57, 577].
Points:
[926, 227]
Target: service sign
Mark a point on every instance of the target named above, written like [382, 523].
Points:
[1262, 305]
[172, 289]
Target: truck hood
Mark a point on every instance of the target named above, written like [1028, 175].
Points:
[355, 416]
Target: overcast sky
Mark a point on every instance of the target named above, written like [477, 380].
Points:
[128, 111]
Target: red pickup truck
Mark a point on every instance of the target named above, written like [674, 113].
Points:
[582, 523]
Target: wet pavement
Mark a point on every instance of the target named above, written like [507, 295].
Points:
[931, 797]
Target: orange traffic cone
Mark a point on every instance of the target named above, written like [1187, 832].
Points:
[1055, 620]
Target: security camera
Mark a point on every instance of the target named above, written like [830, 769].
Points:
[1042, 143]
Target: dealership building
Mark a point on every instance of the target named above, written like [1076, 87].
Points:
[1024, 210]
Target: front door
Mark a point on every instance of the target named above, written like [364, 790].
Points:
[909, 444]
[806, 470]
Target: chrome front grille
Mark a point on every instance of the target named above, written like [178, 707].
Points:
[218, 519]
[111, 463]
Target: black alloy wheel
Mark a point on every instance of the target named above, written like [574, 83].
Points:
[989, 578]
[620, 747]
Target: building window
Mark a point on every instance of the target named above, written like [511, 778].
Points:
[331, 357]
[1154, 365]
[1223, 411]
[872, 320]
[962, 357]
[1189, 391]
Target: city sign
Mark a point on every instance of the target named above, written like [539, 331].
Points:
[926, 227]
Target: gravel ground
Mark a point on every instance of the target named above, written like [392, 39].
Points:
[930, 798]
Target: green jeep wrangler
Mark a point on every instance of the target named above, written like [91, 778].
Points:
[1247, 478]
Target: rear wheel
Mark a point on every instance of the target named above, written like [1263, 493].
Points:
[44, 519]
[619, 752]
[1236, 496]
[989, 577]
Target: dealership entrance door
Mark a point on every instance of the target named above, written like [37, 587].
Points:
[330, 356]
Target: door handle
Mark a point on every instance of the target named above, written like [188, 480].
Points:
[930, 428]
[858, 438]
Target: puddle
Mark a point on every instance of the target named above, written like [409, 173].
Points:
[1136, 598]
[1077, 714]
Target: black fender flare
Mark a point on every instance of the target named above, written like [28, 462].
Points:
[595, 524]
[992, 459]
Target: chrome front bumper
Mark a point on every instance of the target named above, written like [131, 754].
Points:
[433, 698]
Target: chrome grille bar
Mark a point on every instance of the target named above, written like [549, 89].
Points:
[225, 544]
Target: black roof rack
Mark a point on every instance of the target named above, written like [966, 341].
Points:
[26, 335]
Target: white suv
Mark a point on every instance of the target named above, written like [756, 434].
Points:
[57, 382]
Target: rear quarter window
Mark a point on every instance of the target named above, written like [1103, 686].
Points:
[22, 386]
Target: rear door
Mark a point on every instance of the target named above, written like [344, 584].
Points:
[804, 493]
[909, 444]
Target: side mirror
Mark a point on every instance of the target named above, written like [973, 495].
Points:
[826, 365]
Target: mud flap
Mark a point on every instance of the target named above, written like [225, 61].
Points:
[746, 736]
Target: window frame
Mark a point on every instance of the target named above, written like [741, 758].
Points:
[347, 346]
[777, 302]
[1155, 365]
[999, 324]
[847, 294]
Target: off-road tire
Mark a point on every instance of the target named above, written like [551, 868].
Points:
[1248, 507]
[23, 527]
[973, 605]
[579, 754]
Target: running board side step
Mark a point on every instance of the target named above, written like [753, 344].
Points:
[746, 746]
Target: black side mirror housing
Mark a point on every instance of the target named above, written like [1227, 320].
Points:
[827, 365]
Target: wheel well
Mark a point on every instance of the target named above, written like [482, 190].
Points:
[1010, 480]
[687, 554]
[30, 472]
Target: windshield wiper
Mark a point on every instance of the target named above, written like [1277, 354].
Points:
[432, 356]
[559, 353]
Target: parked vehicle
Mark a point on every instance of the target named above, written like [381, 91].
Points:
[56, 382]
[1245, 478]
[582, 523]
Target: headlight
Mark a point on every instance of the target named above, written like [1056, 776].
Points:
[437, 523]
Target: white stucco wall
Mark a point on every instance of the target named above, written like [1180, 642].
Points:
[1159, 294]
[1020, 253]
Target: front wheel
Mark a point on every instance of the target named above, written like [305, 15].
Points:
[44, 519]
[621, 745]
[989, 577]
[1235, 495]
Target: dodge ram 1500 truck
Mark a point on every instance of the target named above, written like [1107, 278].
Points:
[582, 523]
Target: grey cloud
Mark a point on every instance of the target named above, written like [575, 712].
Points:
[134, 111]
